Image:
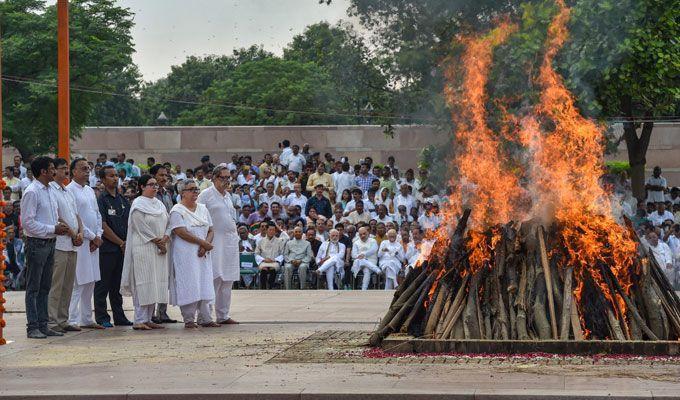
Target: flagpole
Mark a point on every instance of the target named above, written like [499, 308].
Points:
[63, 99]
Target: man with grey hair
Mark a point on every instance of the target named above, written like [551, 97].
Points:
[365, 255]
[225, 256]
[331, 258]
[297, 253]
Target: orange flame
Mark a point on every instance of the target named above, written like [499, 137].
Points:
[568, 163]
[485, 184]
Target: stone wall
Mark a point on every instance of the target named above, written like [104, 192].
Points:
[664, 151]
[186, 145]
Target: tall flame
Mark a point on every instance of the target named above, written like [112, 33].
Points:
[562, 169]
[485, 185]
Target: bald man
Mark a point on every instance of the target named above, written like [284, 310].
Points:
[365, 255]
[390, 259]
[331, 258]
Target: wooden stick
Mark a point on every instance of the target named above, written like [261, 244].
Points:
[548, 280]
[575, 321]
[397, 307]
[565, 323]
[614, 326]
[451, 316]
[442, 294]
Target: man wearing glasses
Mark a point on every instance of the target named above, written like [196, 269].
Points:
[225, 255]
[66, 249]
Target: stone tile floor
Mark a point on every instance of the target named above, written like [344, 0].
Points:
[300, 345]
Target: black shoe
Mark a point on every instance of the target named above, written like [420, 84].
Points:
[50, 332]
[168, 320]
[124, 323]
[35, 334]
[156, 320]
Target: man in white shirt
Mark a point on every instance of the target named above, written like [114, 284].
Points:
[87, 263]
[359, 215]
[659, 216]
[656, 185]
[405, 198]
[225, 255]
[365, 255]
[296, 161]
[269, 196]
[64, 272]
[18, 166]
[343, 181]
[391, 257]
[269, 256]
[26, 181]
[662, 255]
[330, 259]
[296, 198]
[40, 222]
[284, 159]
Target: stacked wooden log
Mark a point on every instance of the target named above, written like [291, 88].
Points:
[524, 291]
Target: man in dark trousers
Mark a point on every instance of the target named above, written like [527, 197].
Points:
[115, 210]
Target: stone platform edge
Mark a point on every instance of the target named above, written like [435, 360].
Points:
[390, 394]
[399, 343]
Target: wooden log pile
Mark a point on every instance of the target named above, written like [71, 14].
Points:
[525, 291]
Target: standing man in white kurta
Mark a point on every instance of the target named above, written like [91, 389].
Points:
[87, 260]
[225, 255]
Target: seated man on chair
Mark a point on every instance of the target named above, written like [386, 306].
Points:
[297, 253]
[365, 255]
[391, 258]
[331, 258]
[246, 248]
[269, 256]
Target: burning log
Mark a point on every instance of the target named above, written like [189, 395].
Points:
[527, 284]
[565, 322]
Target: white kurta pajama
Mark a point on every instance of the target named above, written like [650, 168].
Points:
[87, 262]
[225, 254]
[145, 270]
[390, 257]
[335, 264]
[367, 264]
[191, 286]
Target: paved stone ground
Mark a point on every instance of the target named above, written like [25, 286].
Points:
[299, 345]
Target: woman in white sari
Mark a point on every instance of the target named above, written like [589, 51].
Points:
[191, 286]
[145, 267]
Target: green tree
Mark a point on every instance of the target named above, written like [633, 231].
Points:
[361, 87]
[120, 106]
[267, 92]
[623, 61]
[101, 44]
[185, 83]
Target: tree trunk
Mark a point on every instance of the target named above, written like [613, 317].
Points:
[637, 148]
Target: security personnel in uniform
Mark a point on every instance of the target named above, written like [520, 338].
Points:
[115, 210]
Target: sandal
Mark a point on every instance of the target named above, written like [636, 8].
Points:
[190, 325]
[141, 327]
[154, 325]
[211, 324]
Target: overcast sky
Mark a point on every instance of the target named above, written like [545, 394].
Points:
[167, 31]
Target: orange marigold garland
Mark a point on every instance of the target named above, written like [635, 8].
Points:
[2, 264]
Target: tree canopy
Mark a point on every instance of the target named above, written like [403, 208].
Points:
[101, 50]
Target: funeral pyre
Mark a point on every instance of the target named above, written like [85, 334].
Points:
[530, 248]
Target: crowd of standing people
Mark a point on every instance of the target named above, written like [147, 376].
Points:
[82, 234]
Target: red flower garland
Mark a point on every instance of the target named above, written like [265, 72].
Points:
[2, 265]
